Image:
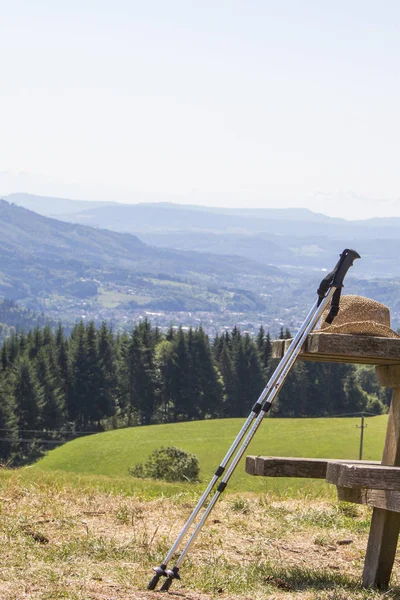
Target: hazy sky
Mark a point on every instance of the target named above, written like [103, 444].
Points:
[223, 102]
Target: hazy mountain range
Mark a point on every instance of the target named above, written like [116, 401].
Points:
[257, 265]
[286, 238]
[46, 263]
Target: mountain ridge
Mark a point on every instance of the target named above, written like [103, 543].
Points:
[44, 259]
[309, 243]
[41, 204]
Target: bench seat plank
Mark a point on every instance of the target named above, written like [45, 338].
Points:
[278, 466]
[378, 477]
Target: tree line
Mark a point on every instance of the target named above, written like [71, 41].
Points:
[54, 387]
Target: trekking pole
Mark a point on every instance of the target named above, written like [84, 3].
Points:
[330, 287]
[161, 570]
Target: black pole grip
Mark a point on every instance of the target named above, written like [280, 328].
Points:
[335, 277]
[346, 261]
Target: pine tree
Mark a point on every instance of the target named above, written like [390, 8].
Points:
[234, 339]
[148, 394]
[267, 355]
[207, 382]
[28, 396]
[226, 368]
[36, 343]
[22, 342]
[4, 357]
[164, 365]
[264, 347]
[108, 372]
[260, 341]
[59, 337]
[93, 378]
[48, 337]
[140, 381]
[52, 414]
[248, 376]
[64, 369]
[170, 334]
[181, 387]
[255, 375]
[122, 344]
[12, 346]
[78, 400]
[8, 423]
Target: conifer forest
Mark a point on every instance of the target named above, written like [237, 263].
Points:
[55, 387]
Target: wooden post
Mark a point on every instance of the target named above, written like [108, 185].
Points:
[385, 524]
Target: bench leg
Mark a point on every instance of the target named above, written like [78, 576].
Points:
[381, 549]
[385, 524]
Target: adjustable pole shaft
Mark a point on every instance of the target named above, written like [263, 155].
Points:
[293, 351]
[161, 570]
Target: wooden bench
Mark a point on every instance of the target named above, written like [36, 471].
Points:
[372, 483]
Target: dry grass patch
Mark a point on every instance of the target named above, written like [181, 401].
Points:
[58, 542]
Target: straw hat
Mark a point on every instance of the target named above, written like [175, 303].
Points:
[359, 315]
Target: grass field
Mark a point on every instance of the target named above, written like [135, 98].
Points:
[110, 454]
[75, 526]
[59, 540]
[112, 299]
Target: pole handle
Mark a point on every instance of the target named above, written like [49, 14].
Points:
[335, 278]
[345, 262]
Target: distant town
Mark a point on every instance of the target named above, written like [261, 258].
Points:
[122, 317]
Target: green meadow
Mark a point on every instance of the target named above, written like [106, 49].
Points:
[106, 457]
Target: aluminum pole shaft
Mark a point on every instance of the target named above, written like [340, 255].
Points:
[293, 351]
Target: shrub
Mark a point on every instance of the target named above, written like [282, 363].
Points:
[170, 464]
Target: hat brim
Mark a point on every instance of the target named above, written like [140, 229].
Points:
[361, 328]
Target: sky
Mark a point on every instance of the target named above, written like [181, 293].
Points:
[254, 103]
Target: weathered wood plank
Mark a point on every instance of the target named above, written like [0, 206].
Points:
[385, 524]
[384, 499]
[381, 548]
[270, 466]
[278, 466]
[377, 477]
[388, 375]
[334, 347]
[251, 465]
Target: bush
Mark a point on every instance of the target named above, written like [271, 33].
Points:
[170, 464]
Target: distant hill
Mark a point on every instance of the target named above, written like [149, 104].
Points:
[52, 207]
[163, 217]
[48, 206]
[48, 259]
[293, 238]
[290, 253]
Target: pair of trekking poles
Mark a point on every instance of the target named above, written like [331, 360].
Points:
[329, 290]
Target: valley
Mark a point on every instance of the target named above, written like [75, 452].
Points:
[185, 265]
